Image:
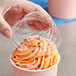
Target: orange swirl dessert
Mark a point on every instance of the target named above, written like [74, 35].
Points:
[35, 53]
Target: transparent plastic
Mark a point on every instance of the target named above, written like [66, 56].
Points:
[35, 23]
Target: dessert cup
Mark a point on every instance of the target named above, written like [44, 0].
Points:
[22, 30]
[62, 9]
[18, 71]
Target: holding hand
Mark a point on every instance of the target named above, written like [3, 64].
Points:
[12, 11]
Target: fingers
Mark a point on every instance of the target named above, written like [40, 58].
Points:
[45, 19]
[19, 8]
[5, 28]
[31, 7]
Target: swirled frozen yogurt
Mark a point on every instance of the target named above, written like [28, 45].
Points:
[35, 53]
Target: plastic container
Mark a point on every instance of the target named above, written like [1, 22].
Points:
[52, 71]
[62, 9]
[28, 26]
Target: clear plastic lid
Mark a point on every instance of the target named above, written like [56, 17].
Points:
[36, 23]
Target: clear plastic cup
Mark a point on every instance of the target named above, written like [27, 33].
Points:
[32, 24]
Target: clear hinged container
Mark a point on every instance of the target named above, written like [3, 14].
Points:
[35, 23]
[32, 24]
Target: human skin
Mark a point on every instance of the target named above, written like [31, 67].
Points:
[12, 11]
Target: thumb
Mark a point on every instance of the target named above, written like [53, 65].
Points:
[5, 28]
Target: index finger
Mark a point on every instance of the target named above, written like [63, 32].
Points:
[31, 7]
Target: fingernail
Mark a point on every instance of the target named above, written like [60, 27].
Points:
[7, 33]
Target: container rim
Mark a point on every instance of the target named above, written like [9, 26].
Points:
[34, 70]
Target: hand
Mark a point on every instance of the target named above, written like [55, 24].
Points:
[12, 11]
